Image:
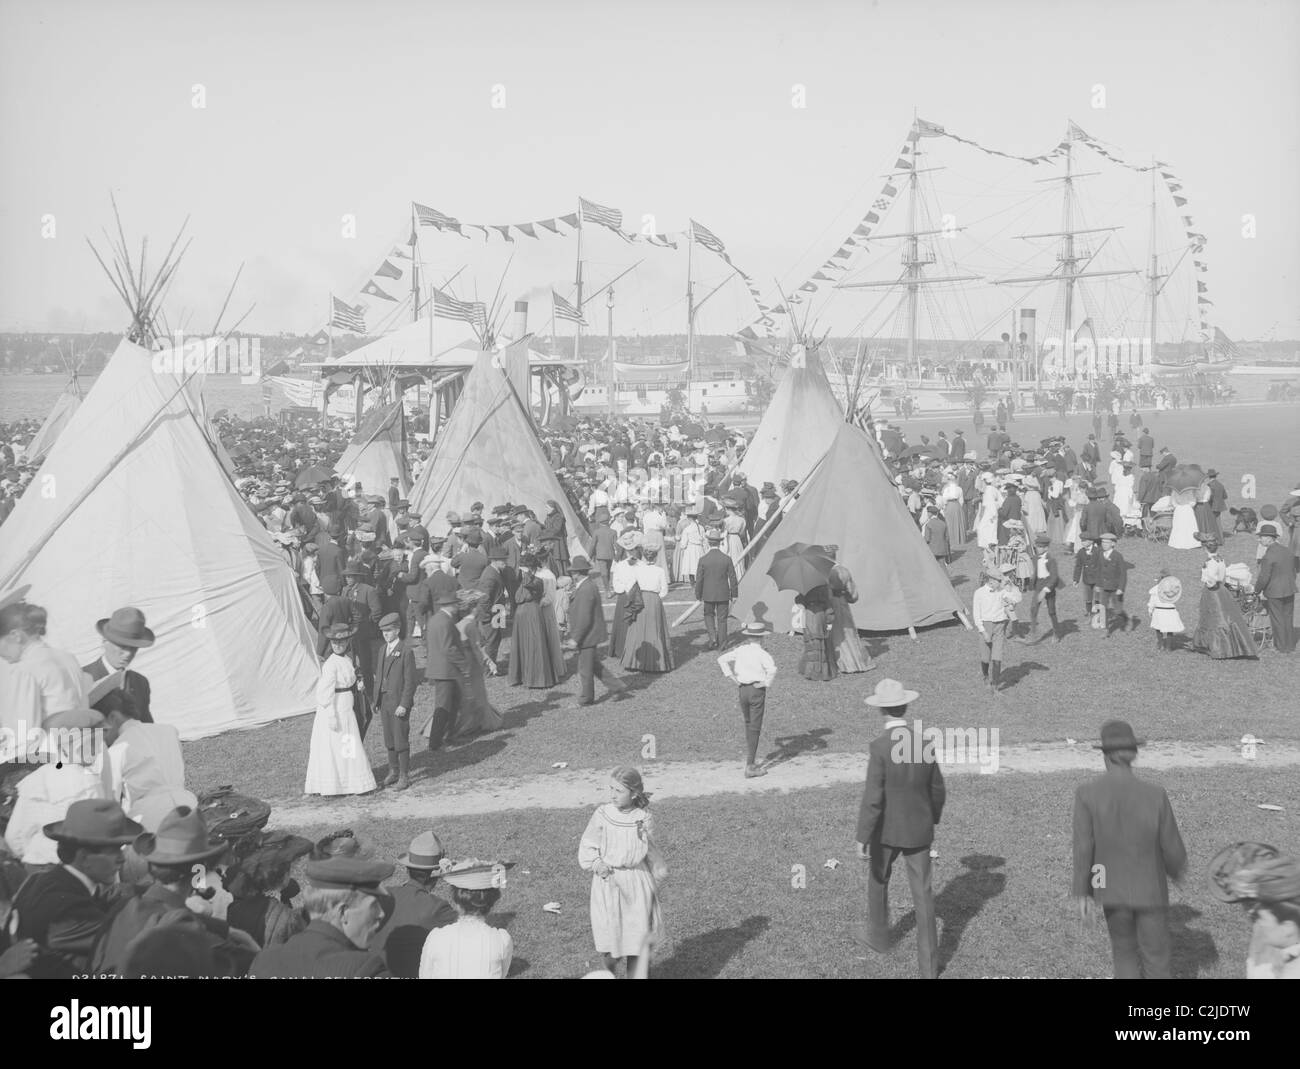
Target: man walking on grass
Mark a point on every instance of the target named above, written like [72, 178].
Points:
[1126, 848]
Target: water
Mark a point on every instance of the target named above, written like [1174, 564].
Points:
[32, 396]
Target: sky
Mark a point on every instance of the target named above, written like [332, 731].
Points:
[319, 109]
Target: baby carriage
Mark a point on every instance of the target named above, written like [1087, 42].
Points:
[1237, 580]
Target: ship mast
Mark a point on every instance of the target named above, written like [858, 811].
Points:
[690, 314]
[1068, 258]
[1154, 278]
[914, 258]
[577, 326]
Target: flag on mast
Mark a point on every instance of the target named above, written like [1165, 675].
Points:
[346, 317]
[446, 306]
[707, 238]
[564, 310]
[595, 213]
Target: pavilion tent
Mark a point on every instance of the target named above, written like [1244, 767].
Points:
[849, 501]
[488, 451]
[62, 412]
[798, 427]
[377, 452]
[139, 512]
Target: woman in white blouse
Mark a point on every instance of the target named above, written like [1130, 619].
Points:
[647, 647]
[470, 949]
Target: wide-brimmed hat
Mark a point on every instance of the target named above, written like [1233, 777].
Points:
[425, 852]
[1206, 539]
[1006, 568]
[94, 822]
[1212, 474]
[181, 838]
[579, 564]
[339, 632]
[1235, 861]
[1042, 539]
[126, 627]
[1117, 735]
[447, 597]
[631, 540]
[890, 692]
[471, 874]
[1170, 588]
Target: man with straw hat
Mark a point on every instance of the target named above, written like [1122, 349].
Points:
[181, 845]
[416, 909]
[901, 806]
[125, 635]
[752, 669]
[1126, 848]
[64, 909]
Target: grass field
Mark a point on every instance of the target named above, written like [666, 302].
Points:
[1001, 882]
[1002, 879]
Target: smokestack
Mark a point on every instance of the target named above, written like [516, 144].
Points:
[519, 326]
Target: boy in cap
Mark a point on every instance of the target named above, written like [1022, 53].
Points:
[347, 908]
[1047, 581]
[752, 669]
[1112, 576]
[992, 608]
[395, 681]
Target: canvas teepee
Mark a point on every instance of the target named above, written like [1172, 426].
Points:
[488, 451]
[64, 409]
[848, 501]
[377, 451]
[799, 425]
[133, 508]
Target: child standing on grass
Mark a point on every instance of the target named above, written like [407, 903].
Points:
[1162, 604]
[752, 669]
[627, 868]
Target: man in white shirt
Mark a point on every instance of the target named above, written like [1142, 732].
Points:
[992, 608]
[143, 769]
[59, 679]
[751, 668]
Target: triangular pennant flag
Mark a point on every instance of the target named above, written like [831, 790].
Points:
[388, 269]
[808, 287]
[550, 225]
[504, 229]
[901, 164]
[1180, 201]
[571, 219]
[842, 253]
[821, 278]
[372, 289]
[527, 228]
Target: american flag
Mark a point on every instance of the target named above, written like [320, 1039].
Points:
[594, 213]
[564, 310]
[1224, 347]
[348, 318]
[447, 307]
[429, 217]
[707, 238]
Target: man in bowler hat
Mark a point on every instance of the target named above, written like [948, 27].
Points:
[587, 633]
[446, 667]
[1126, 848]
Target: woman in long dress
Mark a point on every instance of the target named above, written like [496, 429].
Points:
[477, 714]
[1116, 468]
[653, 526]
[622, 578]
[1183, 532]
[986, 522]
[1057, 520]
[337, 762]
[550, 620]
[647, 647]
[1032, 513]
[1221, 631]
[733, 533]
[818, 660]
[849, 654]
[954, 504]
[1077, 501]
[532, 663]
[690, 543]
[618, 849]
[1205, 522]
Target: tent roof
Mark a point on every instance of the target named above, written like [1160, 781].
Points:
[142, 514]
[488, 451]
[848, 501]
[374, 455]
[797, 428]
[452, 345]
[64, 408]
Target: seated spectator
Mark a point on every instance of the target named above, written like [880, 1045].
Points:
[143, 768]
[417, 910]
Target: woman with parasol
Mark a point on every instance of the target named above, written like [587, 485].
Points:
[1221, 631]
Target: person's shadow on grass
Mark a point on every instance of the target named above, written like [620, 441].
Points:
[1016, 673]
[704, 956]
[1192, 951]
[791, 746]
[959, 902]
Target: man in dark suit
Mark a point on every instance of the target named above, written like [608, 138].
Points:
[64, 909]
[416, 909]
[902, 804]
[366, 611]
[447, 667]
[1165, 466]
[125, 635]
[600, 544]
[493, 610]
[343, 923]
[1126, 847]
[1071, 461]
[587, 633]
[1112, 578]
[958, 450]
[330, 562]
[715, 586]
[336, 610]
[748, 496]
[1276, 583]
[1090, 456]
[395, 681]
[1146, 448]
[1009, 510]
[1218, 499]
[435, 582]
[1100, 515]
[935, 531]
[941, 447]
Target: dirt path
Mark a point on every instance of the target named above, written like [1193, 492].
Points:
[575, 789]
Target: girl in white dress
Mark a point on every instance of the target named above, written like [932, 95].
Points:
[470, 949]
[1162, 604]
[337, 763]
[733, 531]
[618, 848]
[986, 523]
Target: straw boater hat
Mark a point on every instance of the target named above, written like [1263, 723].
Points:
[425, 852]
[126, 627]
[753, 630]
[631, 540]
[713, 534]
[889, 693]
[94, 822]
[181, 839]
[472, 874]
